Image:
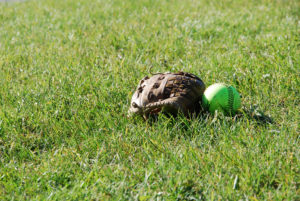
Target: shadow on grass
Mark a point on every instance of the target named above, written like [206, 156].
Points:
[255, 114]
[181, 126]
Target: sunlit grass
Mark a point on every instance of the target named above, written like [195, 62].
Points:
[68, 70]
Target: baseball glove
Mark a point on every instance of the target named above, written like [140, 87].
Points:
[168, 92]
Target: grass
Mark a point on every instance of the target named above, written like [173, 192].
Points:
[69, 68]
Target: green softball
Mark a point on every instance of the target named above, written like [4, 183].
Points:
[221, 97]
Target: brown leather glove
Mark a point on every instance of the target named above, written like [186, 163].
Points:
[170, 92]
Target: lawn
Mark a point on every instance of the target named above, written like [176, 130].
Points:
[68, 70]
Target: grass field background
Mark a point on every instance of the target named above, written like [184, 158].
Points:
[69, 68]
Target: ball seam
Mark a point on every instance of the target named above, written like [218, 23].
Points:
[230, 99]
